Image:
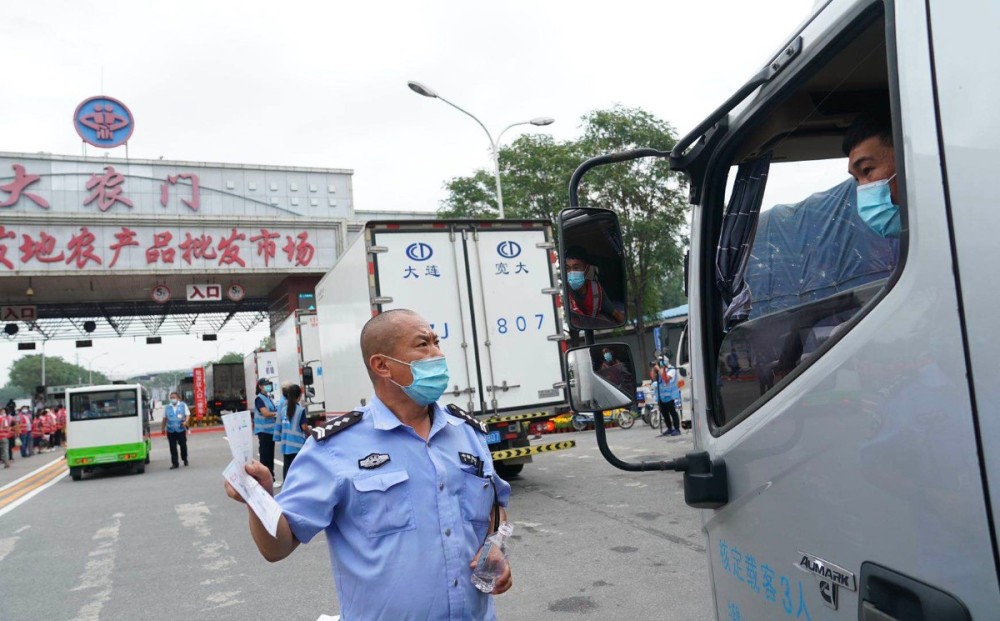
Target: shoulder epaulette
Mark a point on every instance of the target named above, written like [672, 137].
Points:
[336, 425]
[477, 424]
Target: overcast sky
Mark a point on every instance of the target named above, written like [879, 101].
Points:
[324, 84]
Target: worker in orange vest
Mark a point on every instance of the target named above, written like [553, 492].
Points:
[24, 431]
[38, 431]
[60, 425]
[6, 437]
[49, 427]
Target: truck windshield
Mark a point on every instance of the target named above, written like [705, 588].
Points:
[103, 404]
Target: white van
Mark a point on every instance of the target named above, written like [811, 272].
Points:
[107, 426]
[845, 366]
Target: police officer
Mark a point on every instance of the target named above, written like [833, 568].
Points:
[175, 416]
[264, 415]
[404, 488]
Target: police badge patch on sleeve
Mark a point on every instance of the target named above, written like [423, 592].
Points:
[373, 461]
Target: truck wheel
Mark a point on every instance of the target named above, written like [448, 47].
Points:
[509, 471]
[76, 473]
[139, 469]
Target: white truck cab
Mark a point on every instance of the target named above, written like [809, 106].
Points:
[844, 366]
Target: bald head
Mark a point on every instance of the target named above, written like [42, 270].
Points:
[384, 332]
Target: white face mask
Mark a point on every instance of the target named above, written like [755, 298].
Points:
[173, 402]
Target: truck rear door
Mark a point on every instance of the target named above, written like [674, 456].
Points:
[424, 269]
[510, 271]
[309, 345]
[841, 401]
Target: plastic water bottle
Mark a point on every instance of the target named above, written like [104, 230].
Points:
[492, 558]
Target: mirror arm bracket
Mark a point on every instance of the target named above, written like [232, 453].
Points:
[706, 482]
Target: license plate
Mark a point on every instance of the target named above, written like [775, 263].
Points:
[493, 437]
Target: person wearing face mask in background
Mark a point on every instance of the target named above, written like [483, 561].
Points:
[264, 416]
[588, 301]
[294, 428]
[871, 160]
[175, 416]
[402, 484]
[614, 371]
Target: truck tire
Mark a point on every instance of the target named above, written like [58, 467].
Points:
[139, 469]
[509, 471]
[76, 473]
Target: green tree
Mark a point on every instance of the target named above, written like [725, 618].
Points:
[231, 357]
[26, 373]
[650, 199]
[10, 391]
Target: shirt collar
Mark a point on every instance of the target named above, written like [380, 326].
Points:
[385, 420]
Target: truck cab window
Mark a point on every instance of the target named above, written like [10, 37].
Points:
[811, 230]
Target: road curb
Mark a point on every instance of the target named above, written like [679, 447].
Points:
[160, 434]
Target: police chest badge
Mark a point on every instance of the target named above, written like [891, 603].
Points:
[373, 461]
[472, 460]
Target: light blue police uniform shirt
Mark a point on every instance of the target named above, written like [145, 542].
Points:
[401, 536]
[175, 416]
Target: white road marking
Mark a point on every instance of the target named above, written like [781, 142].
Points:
[328, 618]
[23, 499]
[635, 484]
[7, 546]
[98, 572]
[193, 515]
[30, 474]
[22, 529]
[213, 552]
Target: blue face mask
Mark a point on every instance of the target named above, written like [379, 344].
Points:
[430, 379]
[575, 279]
[877, 210]
[608, 356]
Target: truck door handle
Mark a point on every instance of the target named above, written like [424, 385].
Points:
[503, 387]
[887, 595]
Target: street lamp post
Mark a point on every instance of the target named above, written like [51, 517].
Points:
[540, 121]
[90, 366]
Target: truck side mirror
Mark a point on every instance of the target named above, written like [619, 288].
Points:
[682, 371]
[592, 264]
[307, 376]
[601, 377]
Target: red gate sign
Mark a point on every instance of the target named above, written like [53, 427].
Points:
[200, 401]
[18, 313]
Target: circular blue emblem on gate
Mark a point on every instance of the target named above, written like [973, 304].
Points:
[103, 122]
[419, 251]
[508, 249]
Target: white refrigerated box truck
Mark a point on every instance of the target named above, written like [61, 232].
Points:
[296, 341]
[487, 289]
[258, 365]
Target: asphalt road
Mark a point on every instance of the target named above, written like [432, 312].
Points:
[590, 542]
